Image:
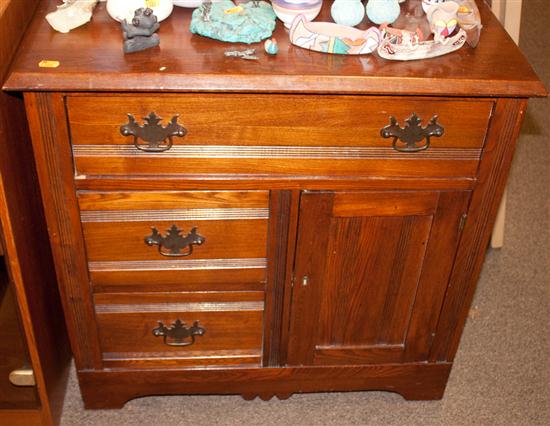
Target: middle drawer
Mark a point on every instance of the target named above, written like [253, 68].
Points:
[175, 240]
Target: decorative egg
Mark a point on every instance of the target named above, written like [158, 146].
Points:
[124, 9]
[287, 10]
[347, 12]
[383, 11]
[271, 47]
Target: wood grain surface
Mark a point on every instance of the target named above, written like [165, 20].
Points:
[111, 389]
[285, 135]
[166, 200]
[372, 261]
[267, 163]
[494, 169]
[91, 59]
[233, 324]
[45, 113]
[277, 120]
[224, 239]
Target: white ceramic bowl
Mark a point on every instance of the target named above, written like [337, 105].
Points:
[287, 10]
[187, 3]
[124, 9]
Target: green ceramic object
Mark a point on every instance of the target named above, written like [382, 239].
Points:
[245, 24]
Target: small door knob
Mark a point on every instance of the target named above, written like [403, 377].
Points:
[22, 377]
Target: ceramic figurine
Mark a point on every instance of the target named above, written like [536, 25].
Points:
[271, 47]
[347, 12]
[408, 48]
[426, 4]
[205, 10]
[383, 11]
[469, 20]
[443, 20]
[71, 14]
[249, 22]
[140, 34]
[403, 36]
[287, 10]
[124, 9]
[328, 37]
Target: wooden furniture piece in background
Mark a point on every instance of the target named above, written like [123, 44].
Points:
[284, 243]
[32, 332]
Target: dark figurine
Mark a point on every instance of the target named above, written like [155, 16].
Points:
[206, 10]
[140, 34]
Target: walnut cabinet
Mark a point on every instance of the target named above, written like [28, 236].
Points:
[304, 223]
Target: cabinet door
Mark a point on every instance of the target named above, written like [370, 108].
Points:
[371, 272]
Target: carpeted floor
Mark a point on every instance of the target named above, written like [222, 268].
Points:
[501, 375]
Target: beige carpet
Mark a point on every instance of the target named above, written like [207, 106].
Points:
[501, 374]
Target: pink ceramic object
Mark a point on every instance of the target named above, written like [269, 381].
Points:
[328, 37]
[443, 19]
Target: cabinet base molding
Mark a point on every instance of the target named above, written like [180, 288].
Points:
[21, 418]
[112, 389]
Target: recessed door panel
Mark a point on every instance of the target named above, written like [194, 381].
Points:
[371, 272]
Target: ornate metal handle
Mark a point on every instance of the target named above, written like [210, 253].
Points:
[157, 138]
[178, 334]
[172, 244]
[408, 138]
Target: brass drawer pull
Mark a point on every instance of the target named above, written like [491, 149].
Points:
[412, 134]
[157, 137]
[178, 334]
[173, 243]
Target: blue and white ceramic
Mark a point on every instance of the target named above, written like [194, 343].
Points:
[383, 11]
[347, 12]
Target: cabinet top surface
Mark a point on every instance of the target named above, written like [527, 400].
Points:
[91, 59]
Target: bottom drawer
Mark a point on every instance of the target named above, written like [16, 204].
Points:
[180, 329]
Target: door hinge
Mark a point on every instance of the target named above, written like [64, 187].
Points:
[462, 223]
[292, 280]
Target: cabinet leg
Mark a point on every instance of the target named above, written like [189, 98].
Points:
[249, 396]
[422, 394]
[98, 400]
[283, 396]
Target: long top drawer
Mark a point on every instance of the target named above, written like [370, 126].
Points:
[283, 135]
